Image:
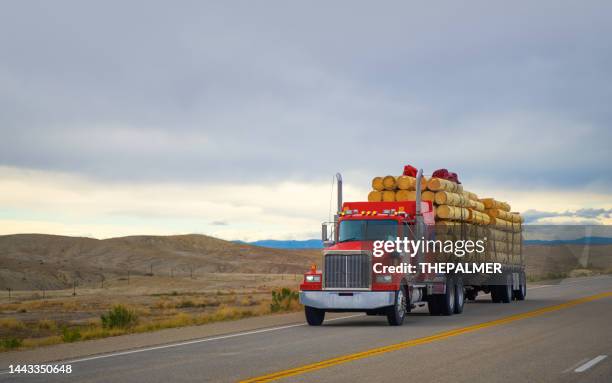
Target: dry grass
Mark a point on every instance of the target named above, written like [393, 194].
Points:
[47, 324]
[11, 324]
[40, 342]
[170, 311]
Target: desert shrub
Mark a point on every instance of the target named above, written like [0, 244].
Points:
[70, 335]
[11, 324]
[185, 303]
[581, 273]
[47, 324]
[247, 301]
[10, 343]
[70, 306]
[119, 317]
[282, 300]
[212, 302]
[163, 304]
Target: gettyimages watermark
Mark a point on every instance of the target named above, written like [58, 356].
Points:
[410, 248]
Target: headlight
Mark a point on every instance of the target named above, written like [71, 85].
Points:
[384, 278]
[313, 278]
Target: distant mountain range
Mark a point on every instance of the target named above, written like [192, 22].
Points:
[275, 244]
[317, 244]
[577, 241]
[36, 261]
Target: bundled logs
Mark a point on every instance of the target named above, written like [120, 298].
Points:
[458, 212]
[490, 203]
[503, 214]
[451, 201]
[390, 188]
[438, 184]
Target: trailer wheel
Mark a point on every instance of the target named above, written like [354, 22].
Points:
[443, 304]
[459, 295]
[521, 293]
[505, 290]
[314, 316]
[433, 305]
[495, 294]
[397, 312]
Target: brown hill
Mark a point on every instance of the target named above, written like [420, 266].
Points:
[37, 261]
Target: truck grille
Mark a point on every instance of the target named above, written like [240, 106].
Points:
[347, 271]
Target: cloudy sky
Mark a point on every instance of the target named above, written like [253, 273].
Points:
[230, 118]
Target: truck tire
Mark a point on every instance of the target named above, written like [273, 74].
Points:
[443, 304]
[505, 290]
[397, 312]
[521, 293]
[459, 295]
[314, 316]
[495, 294]
[433, 305]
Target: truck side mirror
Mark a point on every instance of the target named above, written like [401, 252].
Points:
[326, 240]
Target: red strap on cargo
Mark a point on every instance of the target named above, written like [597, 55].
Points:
[410, 171]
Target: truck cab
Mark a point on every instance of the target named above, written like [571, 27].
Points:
[348, 281]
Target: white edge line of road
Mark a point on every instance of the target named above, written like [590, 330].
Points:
[103, 356]
[591, 363]
[538, 287]
[575, 365]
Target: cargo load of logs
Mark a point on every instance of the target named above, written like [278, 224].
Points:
[460, 214]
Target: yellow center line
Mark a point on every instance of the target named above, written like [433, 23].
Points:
[415, 342]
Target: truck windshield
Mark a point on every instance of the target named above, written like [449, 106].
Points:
[367, 230]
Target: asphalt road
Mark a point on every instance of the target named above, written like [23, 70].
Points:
[542, 339]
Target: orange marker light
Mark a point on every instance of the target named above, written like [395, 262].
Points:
[313, 268]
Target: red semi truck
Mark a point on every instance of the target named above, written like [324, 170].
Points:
[348, 283]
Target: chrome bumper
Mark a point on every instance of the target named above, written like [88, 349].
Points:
[365, 300]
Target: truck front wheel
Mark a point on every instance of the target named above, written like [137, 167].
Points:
[314, 316]
[397, 312]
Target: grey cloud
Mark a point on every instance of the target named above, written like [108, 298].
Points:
[594, 213]
[219, 223]
[261, 92]
[585, 216]
[532, 216]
